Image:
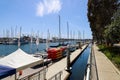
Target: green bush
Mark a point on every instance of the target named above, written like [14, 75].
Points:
[102, 47]
[117, 60]
[108, 54]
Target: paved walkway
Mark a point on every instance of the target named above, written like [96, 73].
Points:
[106, 70]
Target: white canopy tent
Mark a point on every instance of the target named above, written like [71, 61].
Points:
[20, 60]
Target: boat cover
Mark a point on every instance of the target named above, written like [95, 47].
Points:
[18, 60]
[6, 71]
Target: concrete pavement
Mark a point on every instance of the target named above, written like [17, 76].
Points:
[105, 68]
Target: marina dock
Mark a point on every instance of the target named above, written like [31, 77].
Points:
[53, 70]
[59, 67]
[101, 68]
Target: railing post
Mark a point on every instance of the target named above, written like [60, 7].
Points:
[39, 76]
[56, 76]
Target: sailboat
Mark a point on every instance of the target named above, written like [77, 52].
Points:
[57, 52]
[42, 55]
[38, 54]
[14, 41]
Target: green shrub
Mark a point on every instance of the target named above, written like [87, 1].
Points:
[108, 54]
[102, 47]
[117, 60]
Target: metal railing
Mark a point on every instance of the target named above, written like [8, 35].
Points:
[91, 71]
[93, 64]
[88, 67]
[88, 73]
[40, 75]
[56, 76]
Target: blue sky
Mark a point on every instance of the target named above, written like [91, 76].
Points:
[41, 15]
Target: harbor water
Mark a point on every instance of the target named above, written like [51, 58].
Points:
[29, 48]
[79, 67]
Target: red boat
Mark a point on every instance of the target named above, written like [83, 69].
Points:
[56, 53]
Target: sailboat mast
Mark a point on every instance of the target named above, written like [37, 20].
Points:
[3, 33]
[15, 32]
[73, 37]
[11, 33]
[59, 30]
[47, 40]
[20, 31]
[68, 51]
[19, 36]
[37, 41]
[83, 38]
[31, 41]
[68, 31]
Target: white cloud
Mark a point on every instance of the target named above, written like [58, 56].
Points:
[48, 6]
